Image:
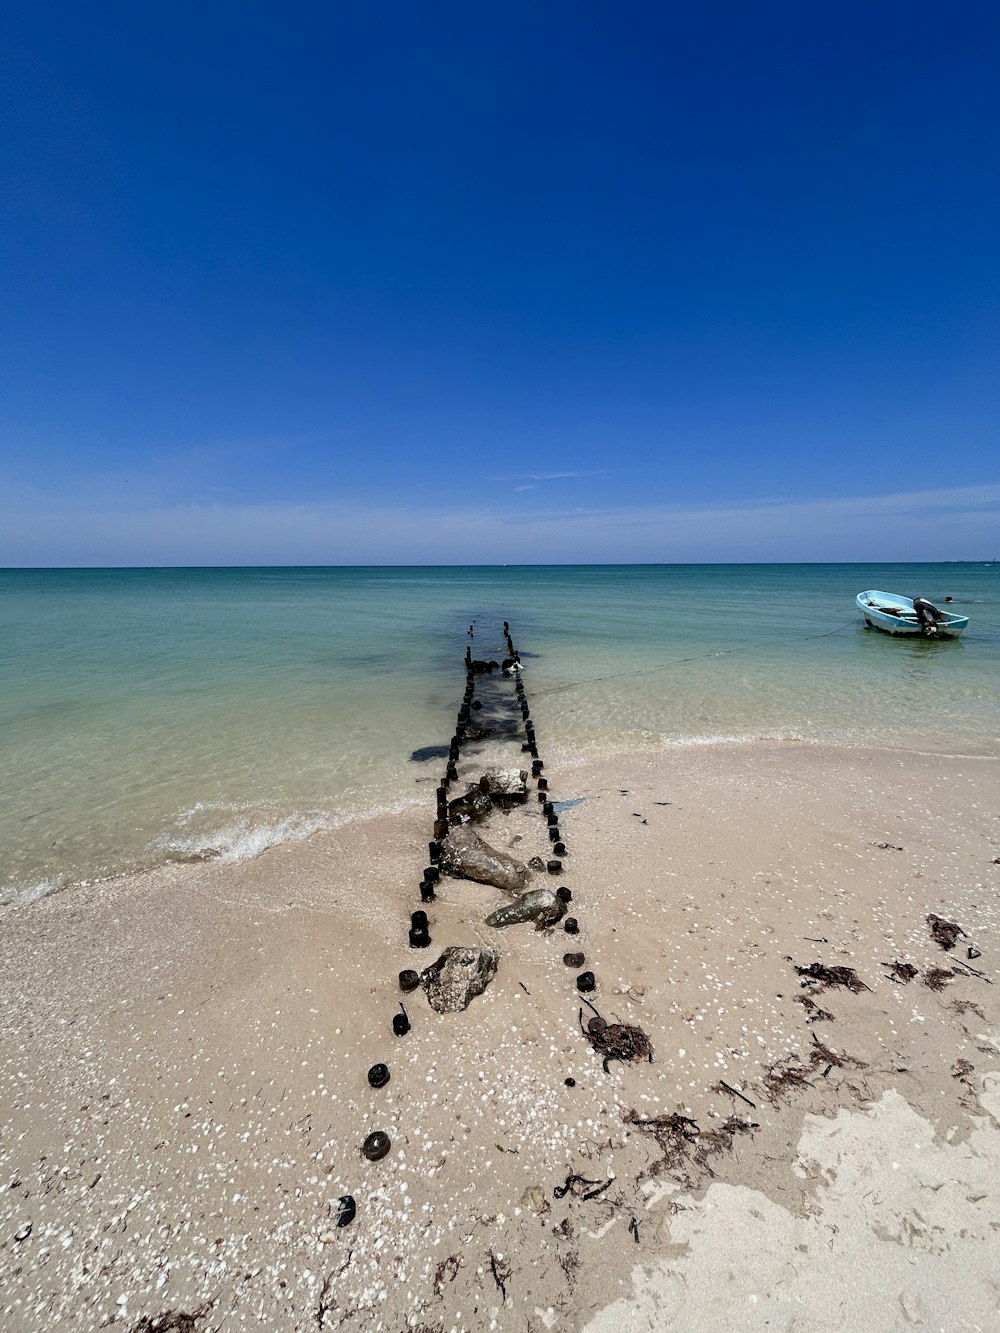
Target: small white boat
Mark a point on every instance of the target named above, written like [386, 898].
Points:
[898, 615]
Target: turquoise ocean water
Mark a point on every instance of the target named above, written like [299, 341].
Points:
[150, 715]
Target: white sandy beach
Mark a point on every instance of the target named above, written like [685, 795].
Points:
[183, 1087]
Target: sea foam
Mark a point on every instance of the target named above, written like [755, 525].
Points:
[240, 839]
[247, 834]
[23, 895]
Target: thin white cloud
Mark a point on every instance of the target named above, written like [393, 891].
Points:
[547, 476]
[939, 524]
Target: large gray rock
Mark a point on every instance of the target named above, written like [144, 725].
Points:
[540, 905]
[465, 856]
[506, 786]
[472, 807]
[458, 976]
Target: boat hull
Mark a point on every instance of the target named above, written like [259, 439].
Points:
[893, 614]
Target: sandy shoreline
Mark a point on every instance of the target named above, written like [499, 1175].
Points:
[183, 1082]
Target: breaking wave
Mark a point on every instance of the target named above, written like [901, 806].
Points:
[246, 834]
[23, 895]
[735, 738]
[240, 838]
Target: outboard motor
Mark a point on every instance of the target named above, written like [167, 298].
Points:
[928, 615]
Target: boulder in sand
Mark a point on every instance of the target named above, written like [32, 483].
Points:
[540, 905]
[505, 785]
[458, 976]
[464, 855]
[473, 806]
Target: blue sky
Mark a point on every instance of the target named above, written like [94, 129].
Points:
[444, 282]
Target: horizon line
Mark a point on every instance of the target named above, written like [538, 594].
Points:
[544, 564]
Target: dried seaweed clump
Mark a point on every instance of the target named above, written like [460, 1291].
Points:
[683, 1144]
[616, 1041]
[675, 1134]
[823, 977]
[901, 972]
[785, 1077]
[814, 1012]
[936, 978]
[791, 1074]
[623, 1041]
[501, 1273]
[943, 932]
[967, 1007]
[447, 1271]
[721, 1138]
[172, 1321]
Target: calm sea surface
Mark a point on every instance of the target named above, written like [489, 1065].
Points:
[148, 715]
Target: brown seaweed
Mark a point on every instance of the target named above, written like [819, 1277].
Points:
[735, 1092]
[501, 1274]
[936, 978]
[683, 1144]
[447, 1271]
[943, 932]
[577, 1185]
[616, 1041]
[815, 1014]
[787, 1076]
[173, 1321]
[901, 972]
[792, 1074]
[823, 977]
[967, 1007]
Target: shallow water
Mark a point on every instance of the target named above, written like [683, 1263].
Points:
[148, 715]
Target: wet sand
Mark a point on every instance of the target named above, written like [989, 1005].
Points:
[183, 1063]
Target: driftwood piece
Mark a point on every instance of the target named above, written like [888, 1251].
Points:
[735, 1092]
[465, 855]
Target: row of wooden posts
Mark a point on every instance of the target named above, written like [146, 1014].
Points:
[378, 1144]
